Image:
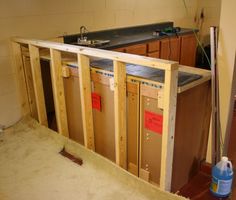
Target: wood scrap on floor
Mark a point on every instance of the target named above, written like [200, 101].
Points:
[64, 153]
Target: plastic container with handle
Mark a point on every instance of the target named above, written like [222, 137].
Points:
[222, 178]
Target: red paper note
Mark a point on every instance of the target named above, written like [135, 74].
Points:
[153, 121]
[96, 101]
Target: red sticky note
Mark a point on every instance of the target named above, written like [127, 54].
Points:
[153, 121]
[96, 101]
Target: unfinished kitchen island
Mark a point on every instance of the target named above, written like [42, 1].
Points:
[150, 116]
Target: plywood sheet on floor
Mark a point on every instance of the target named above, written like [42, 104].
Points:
[32, 168]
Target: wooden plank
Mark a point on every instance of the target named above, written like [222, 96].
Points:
[30, 87]
[86, 101]
[38, 84]
[120, 113]
[58, 92]
[100, 53]
[170, 96]
[21, 79]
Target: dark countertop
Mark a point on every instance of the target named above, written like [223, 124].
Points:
[146, 72]
[134, 35]
[128, 36]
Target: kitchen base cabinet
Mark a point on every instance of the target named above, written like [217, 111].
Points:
[177, 48]
[191, 133]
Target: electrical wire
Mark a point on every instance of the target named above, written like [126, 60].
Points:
[195, 34]
[219, 134]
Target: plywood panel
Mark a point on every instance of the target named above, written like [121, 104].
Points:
[191, 133]
[104, 130]
[150, 142]
[73, 102]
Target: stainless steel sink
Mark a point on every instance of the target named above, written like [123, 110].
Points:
[91, 43]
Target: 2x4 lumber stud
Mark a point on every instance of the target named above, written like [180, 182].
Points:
[38, 84]
[120, 113]
[86, 101]
[58, 92]
[21, 78]
[100, 53]
[170, 101]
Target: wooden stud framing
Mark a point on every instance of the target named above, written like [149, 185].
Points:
[38, 84]
[120, 113]
[100, 53]
[86, 101]
[58, 92]
[119, 59]
[169, 113]
[20, 72]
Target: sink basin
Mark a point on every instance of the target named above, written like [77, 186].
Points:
[91, 43]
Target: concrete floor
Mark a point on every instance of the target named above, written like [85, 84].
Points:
[31, 168]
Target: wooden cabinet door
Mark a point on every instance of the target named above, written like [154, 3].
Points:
[120, 50]
[153, 46]
[188, 50]
[170, 49]
[138, 49]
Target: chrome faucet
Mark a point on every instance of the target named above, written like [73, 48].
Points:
[83, 30]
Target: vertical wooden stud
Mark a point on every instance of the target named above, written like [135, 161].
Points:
[86, 101]
[20, 72]
[170, 100]
[30, 87]
[58, 92]
[38, 84]
[120, 113]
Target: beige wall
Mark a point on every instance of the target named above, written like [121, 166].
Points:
[47, 18]
[226, 56]
[211, 10]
